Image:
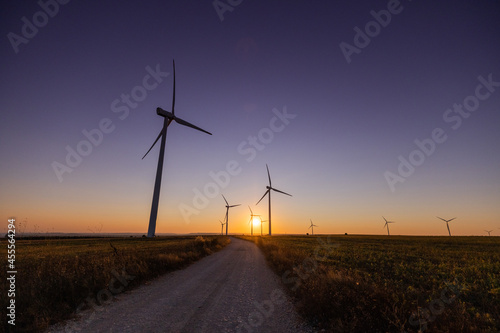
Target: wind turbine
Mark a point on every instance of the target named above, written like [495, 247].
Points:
[268, 191]
[261, 222]
[387, 225]
[251, 220]
[312, 227]
[221, 227]
[447, 221]
[489, 232]
[227, 211]
[168, 117]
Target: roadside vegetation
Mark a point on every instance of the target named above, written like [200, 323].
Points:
[58, 277]
[390, 284]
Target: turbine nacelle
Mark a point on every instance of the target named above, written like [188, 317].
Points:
[163, 113]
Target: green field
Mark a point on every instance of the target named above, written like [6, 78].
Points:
[390, 284]
[57, 277]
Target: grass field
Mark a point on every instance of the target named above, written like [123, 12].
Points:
[57, 277]
[390, 284]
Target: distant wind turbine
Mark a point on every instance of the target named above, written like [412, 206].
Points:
[447, 221]
[168, 117]
[251, 220]
[261, 222]
[268, 191]
[312, 227]
[386, 225]
[489, 232]
[227, 211]
[221, 227]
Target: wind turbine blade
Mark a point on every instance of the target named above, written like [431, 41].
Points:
[452, 219]
[441, 219]
[280, 191]
[251, 213]
[159, 136]
[173, 96]
[227, 204]
[185, 123]
[262, 197]
[268, 175]
[384, 219]
[234, 206]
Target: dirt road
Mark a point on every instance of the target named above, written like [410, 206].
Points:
[232, 290]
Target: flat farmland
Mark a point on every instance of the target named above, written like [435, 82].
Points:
[61, 276]
[390, 284]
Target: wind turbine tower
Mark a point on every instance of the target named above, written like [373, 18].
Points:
[268, 192]
[251, 221]
[168, 117]
[386, 225]
[227, 211]
[312, 228]
[447, 221]
[221, 227]
[261, 222]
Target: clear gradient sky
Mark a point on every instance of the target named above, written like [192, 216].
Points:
[351, 106]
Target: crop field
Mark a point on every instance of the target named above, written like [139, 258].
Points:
[58, 277]
[390, 284]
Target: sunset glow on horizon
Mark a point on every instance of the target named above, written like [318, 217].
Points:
[400, 121]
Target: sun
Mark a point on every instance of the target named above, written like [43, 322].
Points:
[256, 221]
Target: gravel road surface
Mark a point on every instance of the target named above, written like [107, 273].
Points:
[232, 290]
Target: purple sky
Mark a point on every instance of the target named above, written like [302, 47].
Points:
[350, 118]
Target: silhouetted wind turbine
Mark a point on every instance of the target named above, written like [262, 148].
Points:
[312, 227]
[251, 220]
[168, 117]
[261, 225]
[447, 221]
[227, 211]
[268, 191]
[221, 227]
[386, 225]
[489, 232]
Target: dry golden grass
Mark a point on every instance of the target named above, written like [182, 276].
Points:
[390, 284]
[55, 276]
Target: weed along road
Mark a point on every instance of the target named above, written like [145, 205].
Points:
[232, 290]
